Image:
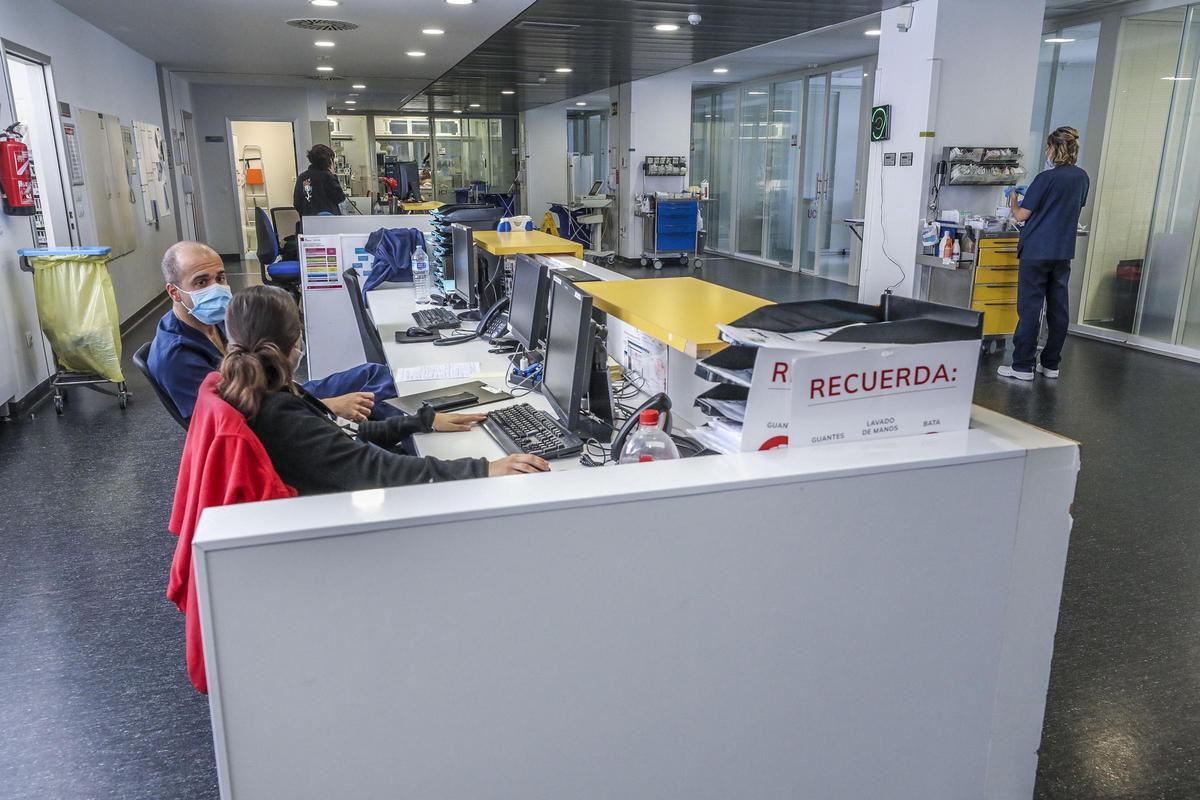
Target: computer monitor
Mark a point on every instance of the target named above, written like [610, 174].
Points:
[409, 179]
[466, 273]
[567, 367]
[595, 188]
[530, 293]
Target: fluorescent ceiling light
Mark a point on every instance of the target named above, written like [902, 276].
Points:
[1057, 41]
[415, 53]
[474, 105]
[1173, 78]
[323, 43]
[666, 27]
[433, 31]
[507, 91]
[457, 111]
[460, 2]
[873, 32]
[323, 3]
[721, 70]
[581, 103]
[324, 69]
[351, 102]
[756, 93]
[359, 86]
[562, 70]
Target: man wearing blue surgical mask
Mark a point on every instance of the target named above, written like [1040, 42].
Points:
[190, 341]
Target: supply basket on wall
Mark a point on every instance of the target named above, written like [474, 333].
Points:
[77, 311]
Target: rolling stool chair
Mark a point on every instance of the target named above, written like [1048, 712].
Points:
[139, 360]
[284, 274]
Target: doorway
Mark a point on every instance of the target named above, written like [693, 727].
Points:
[191, 207]
[265, 170]
[33, 102]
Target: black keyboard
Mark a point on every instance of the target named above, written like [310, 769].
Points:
[436, 318]
[524, 429]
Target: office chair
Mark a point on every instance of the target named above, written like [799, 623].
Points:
[285, 274]
[140, 357]
[371, 341]
[286, 220]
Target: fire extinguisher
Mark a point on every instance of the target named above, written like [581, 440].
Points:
[16, 172]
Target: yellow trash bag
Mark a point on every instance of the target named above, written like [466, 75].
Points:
[78, 311]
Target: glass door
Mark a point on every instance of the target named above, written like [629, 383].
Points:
[811, 211]
[755, 119]
[782, 148]
[841, 191]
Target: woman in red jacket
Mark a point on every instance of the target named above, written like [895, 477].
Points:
[303, 440]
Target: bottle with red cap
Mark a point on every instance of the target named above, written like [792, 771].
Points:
[648, 442]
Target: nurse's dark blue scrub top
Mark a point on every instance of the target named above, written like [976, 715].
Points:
[1055, 197]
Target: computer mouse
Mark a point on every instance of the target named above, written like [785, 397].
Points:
[416, 331]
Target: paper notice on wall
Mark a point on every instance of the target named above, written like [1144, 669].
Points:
[320, 265]
[882, 392]
[645, 355]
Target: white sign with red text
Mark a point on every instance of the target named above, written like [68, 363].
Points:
[881, 392]
[769, 405]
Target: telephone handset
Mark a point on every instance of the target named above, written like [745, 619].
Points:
[661, 403]
[494, 321]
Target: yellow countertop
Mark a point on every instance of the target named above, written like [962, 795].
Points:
[428, 205]
[528, 242]
[681, 312]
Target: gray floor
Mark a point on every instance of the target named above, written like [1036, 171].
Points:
[95, 703]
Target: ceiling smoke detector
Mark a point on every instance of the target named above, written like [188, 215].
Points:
[316, 24]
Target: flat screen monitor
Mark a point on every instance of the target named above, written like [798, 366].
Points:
[409, 178]
[566, 369]
[465, 271]
[595, 188]
[527, 310]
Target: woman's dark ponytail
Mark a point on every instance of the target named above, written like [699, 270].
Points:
[263, 327]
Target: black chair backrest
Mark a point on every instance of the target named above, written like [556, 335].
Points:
[286, 220]
[371, 341]
[139, 360]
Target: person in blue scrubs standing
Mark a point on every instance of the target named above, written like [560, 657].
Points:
[1050, 210]
[190, 342]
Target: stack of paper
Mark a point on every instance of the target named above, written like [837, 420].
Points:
[720, 435]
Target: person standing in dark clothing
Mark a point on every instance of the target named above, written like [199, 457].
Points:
[317, 188]
[1050, 210]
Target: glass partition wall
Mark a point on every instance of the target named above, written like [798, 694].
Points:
[783, 159]
[1142, 279]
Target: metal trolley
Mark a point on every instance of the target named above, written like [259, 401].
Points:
[671, 230]
[62, 379]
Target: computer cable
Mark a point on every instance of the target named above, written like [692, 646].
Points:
[595, 454]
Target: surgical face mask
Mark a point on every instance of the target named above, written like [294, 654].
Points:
[209, 303]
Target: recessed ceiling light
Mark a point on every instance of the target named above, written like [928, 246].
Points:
[460, 2]
[581, 104]
[325, 69]
[351, 102]
[474, 105]
[433, 31]
[563, 70]
[873, 32]
[352, 94]
[324, 43]
[507, 91]
[323, 3]
[1056, 40]
[359, 86]
[666, 27]
[456, 111]
[415, 53]
[721, 70]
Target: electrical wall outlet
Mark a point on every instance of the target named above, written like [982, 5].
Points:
[889, 159]
[906, 159]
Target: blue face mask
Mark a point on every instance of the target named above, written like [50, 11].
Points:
[209, 303]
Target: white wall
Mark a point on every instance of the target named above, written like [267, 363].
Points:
[93, 70]
[215, 105]
[930, 76]
[279, 157]
[545, 158]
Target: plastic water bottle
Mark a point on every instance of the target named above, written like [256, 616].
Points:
[420, 270]
[648, 443]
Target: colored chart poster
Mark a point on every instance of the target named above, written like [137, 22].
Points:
[319, 262]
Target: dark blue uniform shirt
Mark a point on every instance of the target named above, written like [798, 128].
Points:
[1055, 197]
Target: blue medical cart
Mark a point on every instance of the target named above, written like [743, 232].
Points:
[671, 230]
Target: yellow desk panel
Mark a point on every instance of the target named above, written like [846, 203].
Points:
[428, 205]
[527, 242]
[681, 312]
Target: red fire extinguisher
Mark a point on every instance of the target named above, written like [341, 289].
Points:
[16, 172]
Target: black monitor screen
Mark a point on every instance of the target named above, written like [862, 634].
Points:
[527, 311]
[566, 368]
[464, 266]
[409, 178]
